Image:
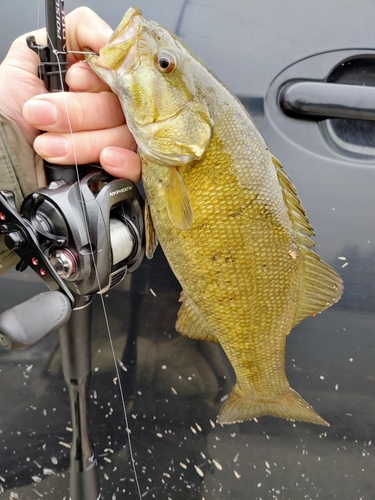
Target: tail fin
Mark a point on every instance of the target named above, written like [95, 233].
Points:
[240, 406]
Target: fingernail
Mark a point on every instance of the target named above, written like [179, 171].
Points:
[40, 112]
[51, 146]
[114, 158]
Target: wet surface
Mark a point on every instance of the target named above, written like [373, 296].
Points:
[173, 386]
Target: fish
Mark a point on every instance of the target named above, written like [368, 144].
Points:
[224, 211]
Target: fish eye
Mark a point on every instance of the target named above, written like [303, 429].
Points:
[165, 61]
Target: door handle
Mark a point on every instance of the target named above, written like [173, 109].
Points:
[321, 100]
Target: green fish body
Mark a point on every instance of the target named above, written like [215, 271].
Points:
[224, 211]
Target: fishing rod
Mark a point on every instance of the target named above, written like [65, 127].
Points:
[81, 236]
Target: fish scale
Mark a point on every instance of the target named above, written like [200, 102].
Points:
[224, 211]
[225, 267]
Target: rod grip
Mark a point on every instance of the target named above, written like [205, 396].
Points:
[26, 324]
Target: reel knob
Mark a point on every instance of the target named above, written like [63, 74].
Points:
[14, 240]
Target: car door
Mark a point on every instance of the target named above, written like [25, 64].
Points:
[305, 72]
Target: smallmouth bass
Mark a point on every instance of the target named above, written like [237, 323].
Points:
[226, 214]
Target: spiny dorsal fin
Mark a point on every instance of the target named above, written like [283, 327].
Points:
[177, 200]
[322, 286]
[297, 213]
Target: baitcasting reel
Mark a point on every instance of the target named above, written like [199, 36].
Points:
[81, 238]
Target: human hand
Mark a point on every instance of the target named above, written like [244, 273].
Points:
[99, 132]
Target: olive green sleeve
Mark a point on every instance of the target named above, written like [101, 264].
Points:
[17, 174]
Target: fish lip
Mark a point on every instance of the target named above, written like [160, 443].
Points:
[126, 26]
[122, 40]
[114, 53]
[94, 59]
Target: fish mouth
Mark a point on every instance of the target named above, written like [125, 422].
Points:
[114, 53]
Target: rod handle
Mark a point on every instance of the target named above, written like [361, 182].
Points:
[24, 325]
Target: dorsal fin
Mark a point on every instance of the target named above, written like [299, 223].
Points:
[321, 286]
[297, 213]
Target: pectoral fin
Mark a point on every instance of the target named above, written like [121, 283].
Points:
[177, 200]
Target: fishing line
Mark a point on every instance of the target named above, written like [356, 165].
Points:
[132, 460]
[85, 53]
[38, 42]
[122, 397]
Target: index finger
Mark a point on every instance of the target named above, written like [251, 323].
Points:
[85, 29]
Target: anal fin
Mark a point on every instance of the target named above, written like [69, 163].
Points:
[191, 324]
